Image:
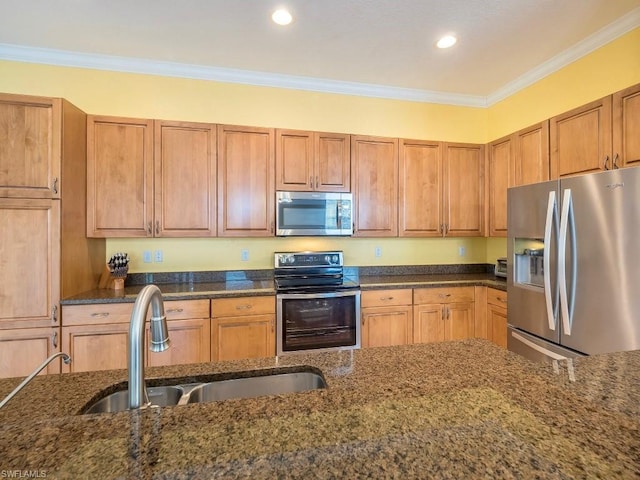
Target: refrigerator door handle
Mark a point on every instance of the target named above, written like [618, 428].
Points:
[566, 218]
[538, 348]
[546, 259]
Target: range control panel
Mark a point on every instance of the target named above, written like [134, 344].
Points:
[308, 259]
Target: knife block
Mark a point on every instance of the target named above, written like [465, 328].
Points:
[107, 280]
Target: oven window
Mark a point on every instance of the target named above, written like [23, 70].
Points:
[310, 323]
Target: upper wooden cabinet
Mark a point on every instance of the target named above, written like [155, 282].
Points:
[420, 189]
[185, 179]
[463, 204]
[626, 127]
[374, 183]
[30, 146]
[119, 177]
[521, 158]
[246, 193]
[312, 161]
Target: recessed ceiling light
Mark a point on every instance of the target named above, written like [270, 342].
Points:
[447, 41]
[282, 17]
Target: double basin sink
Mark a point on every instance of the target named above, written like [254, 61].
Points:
[244, 385]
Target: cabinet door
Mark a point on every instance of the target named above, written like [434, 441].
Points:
[500, 159]
[429, 323]
[332, 162]
[294, 160]
[185, 179]
[464, 190]
[22, 350]
[497, 324]
[420, 189]
[95, 347]
[385, 326]
[246, 194]
[374, 183]
[459, 321]
[30, 136]
[626, 127]
[190, 343]
[119, 177]
[581, 139]
[236, 338]
[531, 155]
[29, 263]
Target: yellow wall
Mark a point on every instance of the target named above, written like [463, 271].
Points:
[610, 68]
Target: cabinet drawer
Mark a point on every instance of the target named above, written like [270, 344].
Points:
[443, 295]
[231, 307]
[381, 298]
[96, 314]
[497, 297]
[184, 309]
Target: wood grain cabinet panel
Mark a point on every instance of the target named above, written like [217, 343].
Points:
[531, 155]
[312, 161]
[500, 160]
[626, 127]
[190, 343]
[497, 316]
[420, 207]
[374, 183]
[22, 350]
[246, 193]
[119, 177]
[30, 146]
[443, 314]
[243, 327]
[386, 317]
[185, 179]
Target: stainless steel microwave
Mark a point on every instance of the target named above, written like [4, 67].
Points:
[313, 214]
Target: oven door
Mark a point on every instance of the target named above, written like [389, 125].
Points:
[318, 321]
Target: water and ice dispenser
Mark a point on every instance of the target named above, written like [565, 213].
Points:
[528, 263]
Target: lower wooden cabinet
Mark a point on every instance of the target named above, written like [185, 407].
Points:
[441, 314]
[497, 316]
[22, 350]
[243, 327]
[96, 336]
[387, 317]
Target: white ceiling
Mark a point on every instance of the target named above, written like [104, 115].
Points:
[371, 47]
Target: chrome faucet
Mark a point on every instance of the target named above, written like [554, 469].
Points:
[149, 295]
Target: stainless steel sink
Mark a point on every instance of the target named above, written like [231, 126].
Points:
[251, 387]
[119, 401]
[243, 386]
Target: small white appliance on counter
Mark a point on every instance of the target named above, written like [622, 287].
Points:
[573, 280]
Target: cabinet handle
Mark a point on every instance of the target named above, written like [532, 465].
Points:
[500, 299]
[272, 226]
[606, 162]
[448, 313]
[446, 228]
[54, 316]
[149, 231]
[310, 181]
[272, 326]
[443, 311]
[444, 295]
[175, 310]
[54, 339]
[157, 227]
[317, 183]
[615, 161]
[386, 298]
[54, 187]
[100, 315]
[244, 307]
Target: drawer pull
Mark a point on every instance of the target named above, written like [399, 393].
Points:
[386, 298]
[175, 310]
[500, 299]
[100, 315]
[444, 295]
[244, 307]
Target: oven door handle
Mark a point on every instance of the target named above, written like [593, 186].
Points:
[350, 293]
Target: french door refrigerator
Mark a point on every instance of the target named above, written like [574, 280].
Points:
[573, 265]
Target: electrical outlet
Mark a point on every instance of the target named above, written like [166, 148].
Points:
[244, 255]
[146, 256]
[158, 256]
[377, 251]
[461, 251]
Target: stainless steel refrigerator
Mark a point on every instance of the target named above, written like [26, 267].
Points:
[573, 265]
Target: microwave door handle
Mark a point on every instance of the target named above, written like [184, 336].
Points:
[546, 260]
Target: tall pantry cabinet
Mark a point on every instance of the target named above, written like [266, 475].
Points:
[44, 253]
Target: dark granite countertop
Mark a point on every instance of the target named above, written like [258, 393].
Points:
[182, 290]
[466, 409]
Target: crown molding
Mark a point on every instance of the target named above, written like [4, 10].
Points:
[607, 34]
[64, 58]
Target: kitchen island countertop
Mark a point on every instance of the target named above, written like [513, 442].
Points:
[466, 409]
